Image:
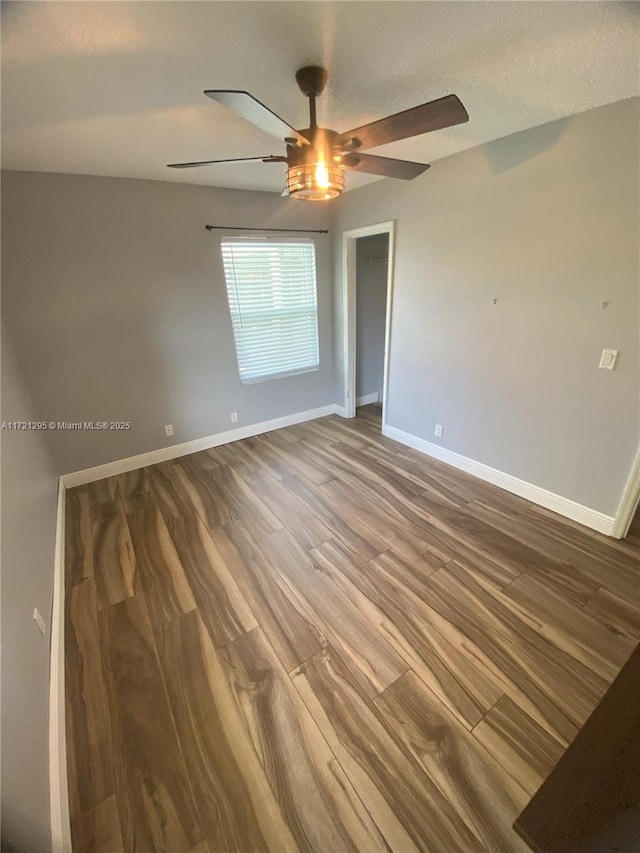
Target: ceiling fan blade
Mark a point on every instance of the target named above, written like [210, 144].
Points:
[269, 159]
[385, 166]
[445, 112]
[250, 109]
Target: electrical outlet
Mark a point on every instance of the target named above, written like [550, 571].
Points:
[438, 430]
[39, 621]
[234, 417]
[168, 428]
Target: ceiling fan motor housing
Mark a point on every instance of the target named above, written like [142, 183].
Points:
[323, 147]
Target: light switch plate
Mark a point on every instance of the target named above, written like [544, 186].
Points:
[608, 359]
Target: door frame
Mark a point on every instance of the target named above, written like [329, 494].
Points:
[349, 238]
[629, 502]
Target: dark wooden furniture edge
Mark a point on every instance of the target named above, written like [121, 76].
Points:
[590, 803]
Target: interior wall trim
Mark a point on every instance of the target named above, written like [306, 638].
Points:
[174, 451]
[367, 398]
[629, 501]
[557, 503]
[58, 787]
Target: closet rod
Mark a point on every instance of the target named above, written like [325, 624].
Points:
[287, 230]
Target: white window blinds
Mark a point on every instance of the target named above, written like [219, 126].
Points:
[271, 288]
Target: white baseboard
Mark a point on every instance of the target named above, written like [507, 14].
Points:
[563, 506]
[59, 795]
[368, 398]
[340, 410]
[629, 501]
[132, 463]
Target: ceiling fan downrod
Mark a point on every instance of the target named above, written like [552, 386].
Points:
[311, 81]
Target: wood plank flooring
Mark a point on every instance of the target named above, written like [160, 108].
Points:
[319, 640]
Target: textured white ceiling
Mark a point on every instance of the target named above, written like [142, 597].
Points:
[115, 88]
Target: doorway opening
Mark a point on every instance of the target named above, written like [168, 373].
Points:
[368, 255]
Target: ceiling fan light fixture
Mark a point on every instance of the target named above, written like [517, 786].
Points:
[317, 157]
[317, 181]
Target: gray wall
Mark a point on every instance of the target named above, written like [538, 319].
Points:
[546, 221]
[114, 296]
[371, 312]
[29, 498]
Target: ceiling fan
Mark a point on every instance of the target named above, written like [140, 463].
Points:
[317, 157]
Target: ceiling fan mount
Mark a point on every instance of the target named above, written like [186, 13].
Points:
[317, 157]
[311, 80]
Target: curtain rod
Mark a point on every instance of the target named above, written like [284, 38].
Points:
[287, 230]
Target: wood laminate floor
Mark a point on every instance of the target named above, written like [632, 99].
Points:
[320, 640]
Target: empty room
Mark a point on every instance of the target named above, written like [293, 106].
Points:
[320, 427]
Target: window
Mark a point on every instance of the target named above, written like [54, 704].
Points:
[271, 286]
